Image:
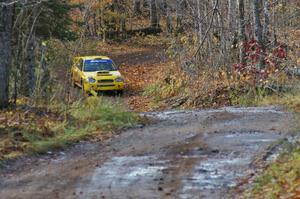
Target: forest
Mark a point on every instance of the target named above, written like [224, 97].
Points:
[172, 56]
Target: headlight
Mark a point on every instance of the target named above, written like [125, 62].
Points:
[91, 80]
[119, 79]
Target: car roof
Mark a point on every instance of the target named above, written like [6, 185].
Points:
[92, 57]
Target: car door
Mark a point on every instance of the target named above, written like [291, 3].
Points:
[80, 73]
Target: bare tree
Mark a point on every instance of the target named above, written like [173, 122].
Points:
[179, 14]
[137, 7]
[6, 17]
[231, 15]
[266, 31]
[154, 14]
[29, 66]
[166, 10]
[258, 30]
[168, 17]
[242, 34]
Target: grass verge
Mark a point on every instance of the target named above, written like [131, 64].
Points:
[29, 131]
[289, 100]
[281, 179]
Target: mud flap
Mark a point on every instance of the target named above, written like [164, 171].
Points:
[94, 93]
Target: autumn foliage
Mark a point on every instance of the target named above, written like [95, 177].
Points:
[273, 63]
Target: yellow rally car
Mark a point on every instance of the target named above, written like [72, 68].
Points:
[96, 73]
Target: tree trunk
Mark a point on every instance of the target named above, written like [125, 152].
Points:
[242, 34]
[6, 18]
[274, 27]
[137, 7]
[28, 69]
[258, 31]
[43, 79]
[257, 23]
[154, 14]
[266, 31]
[146, 3]
[178, 15]
[168, 17]
[231, 15]
[95, 25]
[30, 65]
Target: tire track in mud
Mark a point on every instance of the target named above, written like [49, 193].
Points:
[188, 154]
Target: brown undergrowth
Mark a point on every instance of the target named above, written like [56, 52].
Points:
[190, 83]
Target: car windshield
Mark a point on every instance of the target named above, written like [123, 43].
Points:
[99, 65]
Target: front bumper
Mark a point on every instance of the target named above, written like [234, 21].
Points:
[116, 86]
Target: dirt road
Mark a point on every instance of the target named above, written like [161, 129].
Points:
[187, 154]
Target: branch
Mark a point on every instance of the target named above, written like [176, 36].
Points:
[208, 29]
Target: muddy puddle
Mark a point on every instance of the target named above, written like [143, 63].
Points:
[189, 154]
[215, 168]
[199, 166]
[215, 173]
[126, 176]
